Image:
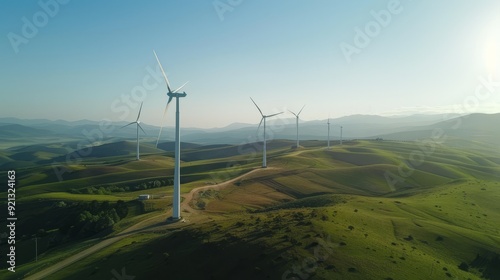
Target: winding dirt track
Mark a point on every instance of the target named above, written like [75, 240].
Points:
[189, 196]
[148, 224]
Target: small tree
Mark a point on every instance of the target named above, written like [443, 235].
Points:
[121, 209]
[114, 216]
[463, 266]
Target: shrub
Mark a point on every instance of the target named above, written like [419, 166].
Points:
[464, 266]
[201, 204]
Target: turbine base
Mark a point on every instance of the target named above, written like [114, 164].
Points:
[171, 220]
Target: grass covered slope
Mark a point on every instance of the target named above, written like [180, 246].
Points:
[363, 210]
[454, 235]
[371, 168]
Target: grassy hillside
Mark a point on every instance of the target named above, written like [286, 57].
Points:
[120, 148]
[372, 209]
[364, 168]
[447, 232]
[169, 146]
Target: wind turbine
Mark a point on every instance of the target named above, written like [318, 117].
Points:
[264, 117]
[138, 122]
[328, 123]
[176, 207]
[340, 135]
[297, 122]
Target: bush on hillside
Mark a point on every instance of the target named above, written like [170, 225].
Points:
[88, 219]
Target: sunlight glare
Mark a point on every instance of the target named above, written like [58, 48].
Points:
[491, 49]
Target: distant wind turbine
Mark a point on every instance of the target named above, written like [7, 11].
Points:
[264, 117]
[176, 207]
[138, 122]
[341, 135]
[328, 123]
[297, 122]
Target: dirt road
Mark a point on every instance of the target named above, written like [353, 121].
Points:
[189, 196]
[153, 222]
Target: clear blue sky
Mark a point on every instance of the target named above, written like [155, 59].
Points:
[88, 55]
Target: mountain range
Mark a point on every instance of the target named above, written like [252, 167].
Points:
[480, 127]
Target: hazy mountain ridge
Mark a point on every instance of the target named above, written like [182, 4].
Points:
[482, 128]
[26, 145]
[354, 127]
[17, 130]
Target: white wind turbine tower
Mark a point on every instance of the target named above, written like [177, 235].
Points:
[341, 135]
[176, 207]
[264, 117]
[138, 122]
[328, 123]
[297, 122]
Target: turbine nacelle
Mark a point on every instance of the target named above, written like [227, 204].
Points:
[264, 117]
[298, 114]
[175, 94]
[137, 121]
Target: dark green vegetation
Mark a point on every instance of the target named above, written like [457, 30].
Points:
[365, 210]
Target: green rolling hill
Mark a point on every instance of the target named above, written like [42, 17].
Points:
[446, 232]
[375, 209]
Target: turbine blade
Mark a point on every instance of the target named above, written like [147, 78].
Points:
[257, 107]
[274, 115]
[162, 123]
[141, 128]
[159, 134]
[138, 115]
[168, 102]
[260, 123]
[180, 87]
[163, 72]
[296, 115]
[127, 124]
[301, 110]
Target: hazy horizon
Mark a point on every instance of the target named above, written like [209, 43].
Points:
[289, 120]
